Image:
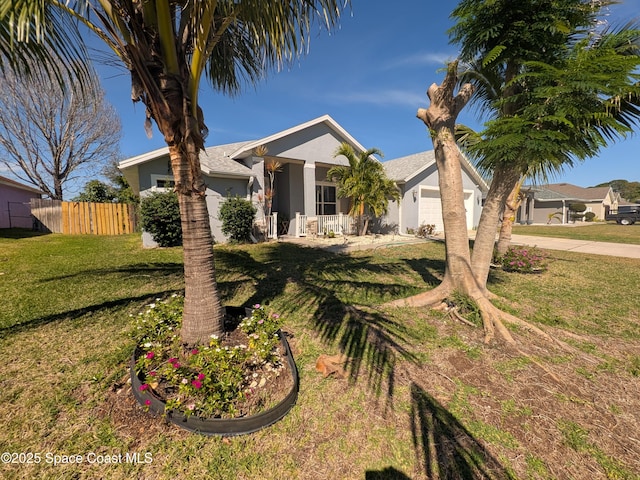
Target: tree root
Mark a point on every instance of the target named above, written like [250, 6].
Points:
[493, 318]
[431, 298]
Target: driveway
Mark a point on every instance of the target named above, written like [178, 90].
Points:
[580, 246]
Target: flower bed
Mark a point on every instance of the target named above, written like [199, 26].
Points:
[235, 384]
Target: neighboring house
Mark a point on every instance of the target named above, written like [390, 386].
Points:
[15, 211]
[550, 203]
[305, 201]
[417, 177]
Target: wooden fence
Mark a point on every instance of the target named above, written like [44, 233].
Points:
[56, 216]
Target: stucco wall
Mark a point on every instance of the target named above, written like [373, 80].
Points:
[408, 213]
[317, 143]
[14, 207]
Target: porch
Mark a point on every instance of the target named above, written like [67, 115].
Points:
[306, 225]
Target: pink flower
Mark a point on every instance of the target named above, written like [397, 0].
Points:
[147, 402]
[150, 355]
[260, 322]
[153, 373]
[194, 351]
[201, 376]
[275, 315]
[173, 360]
[257, 305]
[143, 387]
[176, 365]
[197, 383]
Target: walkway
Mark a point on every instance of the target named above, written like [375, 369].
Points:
[581, 246]
[352, 243]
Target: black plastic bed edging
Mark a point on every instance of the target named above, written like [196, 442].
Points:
[220, 426]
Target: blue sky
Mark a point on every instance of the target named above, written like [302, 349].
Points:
[371, 76]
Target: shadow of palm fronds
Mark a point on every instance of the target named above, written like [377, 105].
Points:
[444, 447]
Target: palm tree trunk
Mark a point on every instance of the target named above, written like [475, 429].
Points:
[508, 217]
[503, 183]
[203, 314]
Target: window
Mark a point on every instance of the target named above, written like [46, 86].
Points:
[326, 200]
[162, 182]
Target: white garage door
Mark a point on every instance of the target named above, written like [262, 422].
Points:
[431, 208]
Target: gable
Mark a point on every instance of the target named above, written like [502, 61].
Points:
[315, 143]
[310, 142]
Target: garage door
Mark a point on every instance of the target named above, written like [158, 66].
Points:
[431, 208]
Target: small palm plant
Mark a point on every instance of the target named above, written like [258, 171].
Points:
[365, 183]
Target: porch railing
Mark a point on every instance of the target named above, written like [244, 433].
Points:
[340, 224]
[272, 225]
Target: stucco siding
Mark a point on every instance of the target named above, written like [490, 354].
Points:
[317, 143]
[15, 211]
[218, 190]
[158, 166]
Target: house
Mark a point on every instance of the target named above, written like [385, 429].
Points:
[15, 210]
[301, 189]
[304, 201]
[417, 177]
[550, 203]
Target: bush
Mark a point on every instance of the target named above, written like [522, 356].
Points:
[589, 216]
[523, 260]
[160, 216]
[577, 207]
[425, 230]
[237, 216]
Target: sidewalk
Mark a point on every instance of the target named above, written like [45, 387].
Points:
[580, 246]
[353, 243]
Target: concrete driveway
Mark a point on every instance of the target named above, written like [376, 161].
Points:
[581, 246]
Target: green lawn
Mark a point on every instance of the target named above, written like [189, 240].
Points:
[426, 398]
[597, 232]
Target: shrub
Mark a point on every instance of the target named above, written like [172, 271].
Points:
[237, 216]
[577, 207]
[589, 216]
[160, 216]
[523, 259]
[425, 230]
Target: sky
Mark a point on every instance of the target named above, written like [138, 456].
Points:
[371, 76]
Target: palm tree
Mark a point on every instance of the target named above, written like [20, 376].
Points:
[169, 47]
[552, 95]
[364, 182]
[558, 90]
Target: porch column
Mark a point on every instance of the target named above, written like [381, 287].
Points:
[309, 187]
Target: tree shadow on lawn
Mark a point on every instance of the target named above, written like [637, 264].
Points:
[10, 330]
[151, 269]
[322, 284]
[444, 447]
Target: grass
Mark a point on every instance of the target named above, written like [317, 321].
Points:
[425, 398]
[597, 232]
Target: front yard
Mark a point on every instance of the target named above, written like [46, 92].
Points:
[424, 398]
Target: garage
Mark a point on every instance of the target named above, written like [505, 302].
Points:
[430, 209]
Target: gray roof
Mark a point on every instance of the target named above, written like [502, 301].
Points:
[402, 169]
[216, 160]
[567, 191]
